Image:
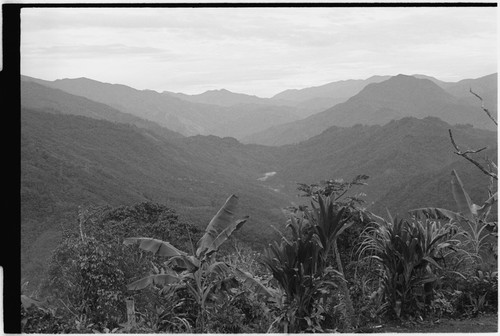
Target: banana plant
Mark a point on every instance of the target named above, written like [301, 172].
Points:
[200, 273]
[472, 219]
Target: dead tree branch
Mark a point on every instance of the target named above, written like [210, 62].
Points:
[482, 106]
[465, 154]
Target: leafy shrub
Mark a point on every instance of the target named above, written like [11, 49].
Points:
[90, 267]
[475, 230]
[254, 311]
[89, 278]
[364, 287]
[442, 305]
[41, 321]
[408, 253]
[226, 319]
[478, 293]
[203, 277]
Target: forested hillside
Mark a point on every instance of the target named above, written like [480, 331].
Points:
[378, 103]
[185, 116]
[39, 97]
[391, 154]
[71, 161]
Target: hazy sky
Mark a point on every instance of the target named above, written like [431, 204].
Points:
[259, 51]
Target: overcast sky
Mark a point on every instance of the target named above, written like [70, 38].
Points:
[260, 51]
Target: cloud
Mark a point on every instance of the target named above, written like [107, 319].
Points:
[97, 51]
[180, 49]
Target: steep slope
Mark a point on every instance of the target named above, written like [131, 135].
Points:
[184, 116]
[173, 113]
[38, 97]
[481, 85]
[433, 189]
[442, 84]
[486, 87]
[70, 161]
[312, 100]
[391, 154]
[378, 103]
[335, 90]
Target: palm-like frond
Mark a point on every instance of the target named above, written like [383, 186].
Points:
[409, 252]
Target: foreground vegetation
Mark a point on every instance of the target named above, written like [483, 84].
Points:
[337, 268]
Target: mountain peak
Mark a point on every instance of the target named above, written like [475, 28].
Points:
[217, 91]
[84, 79]
[405, 87]
[406, 77]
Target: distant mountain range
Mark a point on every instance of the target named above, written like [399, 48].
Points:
[378, 103]
[78, 151]
[225, 97]
[179, 115]
[301, 102]
[40, 97]
[319, 98]
[293, 115]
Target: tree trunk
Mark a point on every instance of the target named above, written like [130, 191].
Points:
[130, 312]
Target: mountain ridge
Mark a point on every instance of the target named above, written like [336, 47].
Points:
[378, 103]
[40, 97]
[187, 118]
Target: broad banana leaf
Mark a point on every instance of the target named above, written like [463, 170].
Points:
[462, 199]
[484, 211]
[251, 282]
[157, 279]
[182, 262]
[219, 267]
[156, 246]
[222, 219]
[224, 235]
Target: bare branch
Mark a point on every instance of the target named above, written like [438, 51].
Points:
[465, 154]
[482, 106]
[492, 184]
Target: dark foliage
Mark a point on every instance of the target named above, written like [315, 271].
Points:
[90, 268]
